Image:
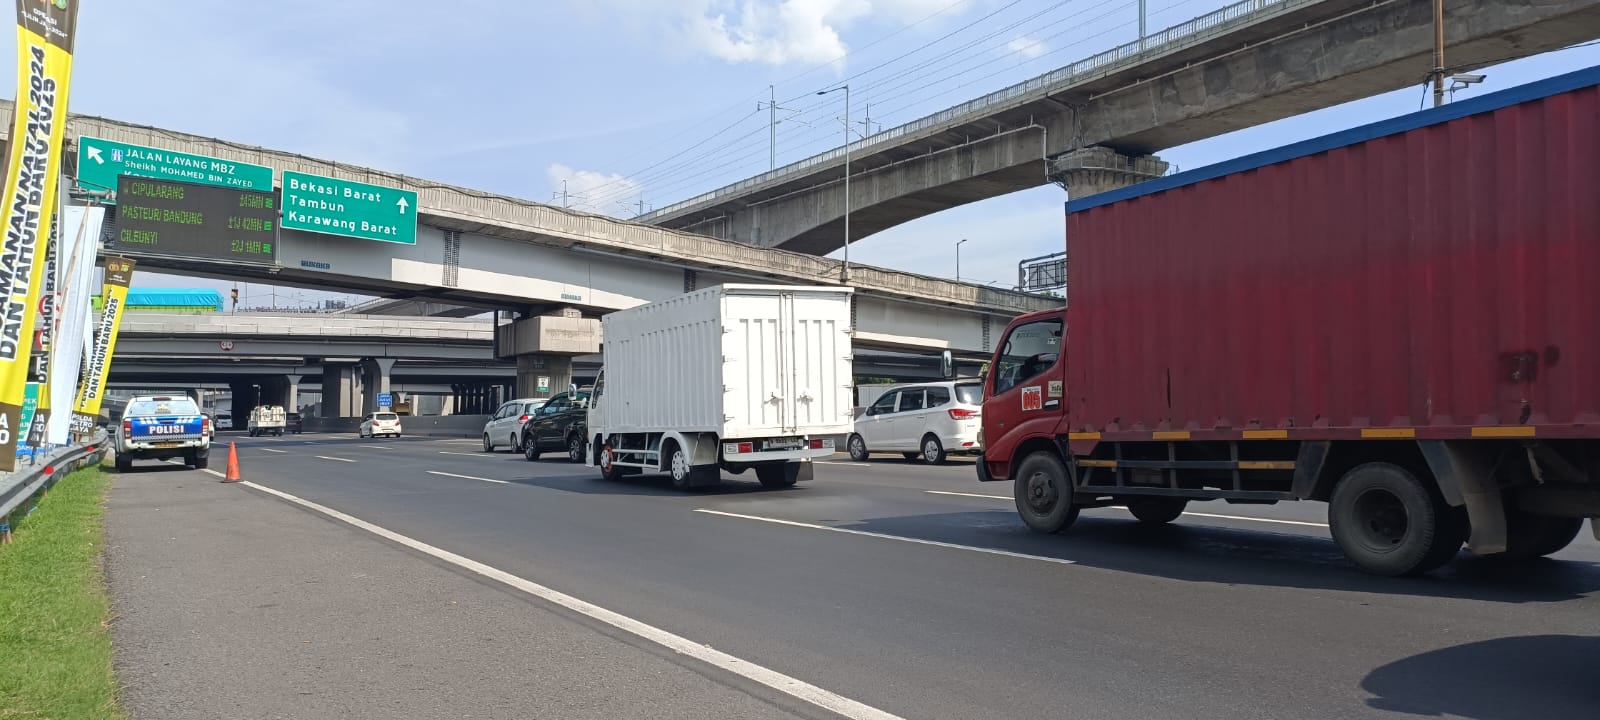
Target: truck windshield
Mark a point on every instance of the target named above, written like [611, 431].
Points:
[1030, 350]
[173, 406]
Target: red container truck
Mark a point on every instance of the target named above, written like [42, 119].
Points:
[1401, 320]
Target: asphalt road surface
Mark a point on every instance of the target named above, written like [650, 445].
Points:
[916, 592]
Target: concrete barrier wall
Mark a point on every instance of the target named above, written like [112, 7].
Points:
[432, 425]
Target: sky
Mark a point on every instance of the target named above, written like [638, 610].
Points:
[630, 104]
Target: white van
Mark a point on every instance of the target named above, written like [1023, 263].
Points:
[927, 420]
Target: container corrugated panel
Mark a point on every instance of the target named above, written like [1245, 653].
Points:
[737, 360]
[1437, 271]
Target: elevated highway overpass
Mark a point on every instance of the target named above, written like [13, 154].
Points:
[1093, 125]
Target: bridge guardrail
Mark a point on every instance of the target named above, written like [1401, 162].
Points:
[17, 487]
[1201, 27]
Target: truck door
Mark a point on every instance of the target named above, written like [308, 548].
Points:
[1025, 392]
[814, 345]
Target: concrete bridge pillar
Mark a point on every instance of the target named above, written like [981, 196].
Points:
[246, 396]
[291, 393]
[543, 375]
[339, 397]
[1094, 170]
[375, 379]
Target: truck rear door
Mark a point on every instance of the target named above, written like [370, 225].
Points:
[789, 346]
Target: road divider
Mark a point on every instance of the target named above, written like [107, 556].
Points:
[788, 685]
[468, 477]
[901, 538]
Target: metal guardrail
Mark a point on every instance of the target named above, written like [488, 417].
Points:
[1205, 26]
[17, 487]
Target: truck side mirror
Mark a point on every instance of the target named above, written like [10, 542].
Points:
[947, 365]
[573, 388]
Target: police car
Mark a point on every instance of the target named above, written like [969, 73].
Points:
[161, 427]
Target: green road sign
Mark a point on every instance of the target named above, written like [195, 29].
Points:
[101, 161]
[341, 207]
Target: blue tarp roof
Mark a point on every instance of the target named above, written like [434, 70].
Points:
[175, 297]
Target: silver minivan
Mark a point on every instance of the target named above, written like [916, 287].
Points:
[504, 428]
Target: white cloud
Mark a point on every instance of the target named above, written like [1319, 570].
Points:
[1027, 47]
[592, 190]
[774, 32]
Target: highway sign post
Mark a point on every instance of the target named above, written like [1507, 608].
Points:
[385, 400]
[341, 207]
[100, 162]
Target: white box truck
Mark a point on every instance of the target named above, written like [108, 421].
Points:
[732, 377]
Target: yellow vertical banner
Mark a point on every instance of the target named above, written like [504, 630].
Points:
[92, 388]
[45, 32]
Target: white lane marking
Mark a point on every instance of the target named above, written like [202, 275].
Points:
[840, 462]
[1303, 523]
[919, 541]
[476, 455]
[467, 477]
[795, 687]
[962, 494]
[273, 450]
[1258, 519]
[378, 447]
[337, 459]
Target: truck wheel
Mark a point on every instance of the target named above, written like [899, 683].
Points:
[575, 449]
[778, 476]
[530, 450]
[608, 466]
[932, 450]
[1389, 522]
[1156, 510]
[1531, 536]
[1044, 494]
[858, 448]
[124, 463]
[678, 467]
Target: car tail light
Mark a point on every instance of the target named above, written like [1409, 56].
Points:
[524, 418]
[127, 426]
[747, 447]
[205, 426]
[962, 413]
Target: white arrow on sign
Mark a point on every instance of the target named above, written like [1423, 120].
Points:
[403, 205]
[94, 154]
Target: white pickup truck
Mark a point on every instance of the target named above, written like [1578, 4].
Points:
[267, 420]
[161, 427]
[732, 377]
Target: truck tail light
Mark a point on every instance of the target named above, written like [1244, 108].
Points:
[816, 444]
[747, 447]
[962, 413]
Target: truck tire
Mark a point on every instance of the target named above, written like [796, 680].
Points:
[575, 449]
[1389, 522]
[1156, 510]
[777, 476]
[608, 469]
[124, 463]
[684, 475]
[1531, 536]
[932, 450]
[857, 447]
[1043, 493]
[530, 450]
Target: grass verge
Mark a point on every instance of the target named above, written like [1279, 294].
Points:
[55, 647]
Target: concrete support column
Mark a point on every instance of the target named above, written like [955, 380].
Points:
[291, 395]
[375, 379]
[1094, 170]
[339, 398]
[246, 396]
[543, 375]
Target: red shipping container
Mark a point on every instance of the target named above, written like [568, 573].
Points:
[1437, 271]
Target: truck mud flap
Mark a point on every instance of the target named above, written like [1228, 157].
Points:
[807, 471]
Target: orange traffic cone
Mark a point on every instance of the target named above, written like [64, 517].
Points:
[233, 465]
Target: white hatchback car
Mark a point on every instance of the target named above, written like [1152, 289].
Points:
[927, 420]
[505, 426]
[380, 423]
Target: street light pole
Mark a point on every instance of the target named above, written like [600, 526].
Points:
[846, 89]
[958, 258]
[1438, 53]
